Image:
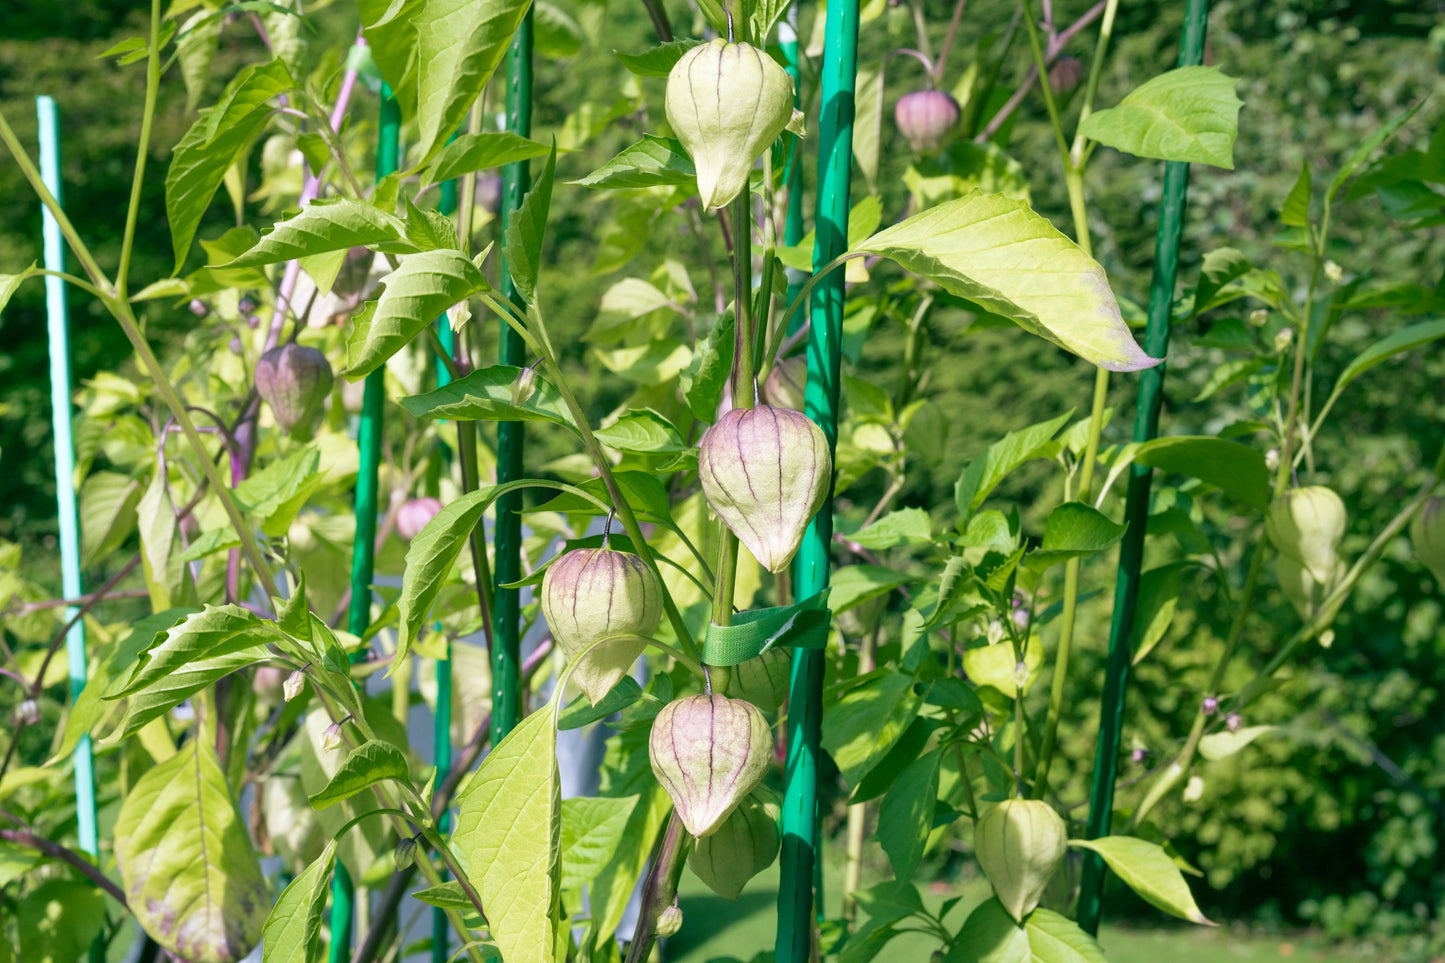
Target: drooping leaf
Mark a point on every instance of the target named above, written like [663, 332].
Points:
[186, 862]
[1386, 348]
[643, 431]
[990, 935]
[984, 473]
[641, 490]
[855, 584]
[219, 136]
[1220, 745]
[651, 162]
[416, 293]
[1296, 210]
[162, 696]
[656, 61]
[996, 252]
[488, 394]
[323, 226]
[470, 153]
[1149, 871]
[592, 829]
[1189, 114]
[556, 35]
[703, 380]
[108, 503]
[509, 828]
[430, 558]
[293, 930]
[905, 817]
[57, 922]
[861, 727]
[215, 631]
[366, 765]
[1154, 609]
[10, 283]
[1073, 530]
[275, 494]
[1236, 469]
[907, 526]
[522, 252]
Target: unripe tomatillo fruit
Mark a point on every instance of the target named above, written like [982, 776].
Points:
[669, 921]
[709, 752]
[412, 517]
[591, 594]
[745, 844]
[763, 681]
[785, 384]
[1303, 590]
[1020, 843]
[294, 380]
[1306, 525]
[1427, 534]
[727, 103]
[925, 117]
[765, 471]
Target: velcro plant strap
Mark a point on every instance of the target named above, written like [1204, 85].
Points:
[803, 625]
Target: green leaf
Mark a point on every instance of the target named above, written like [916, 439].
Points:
[459, 44]
[108, 503]
[856, 584]
[1236, 469]
[470, 153]
[366, 765]
[423, 287]
[1367, 147]
[448, 895]
[913, 741]
[167, 579]
[1149, 871]
[861, 727]
[581, 712]
[509, 831]
[643, 431]
[651, 162]
[996, 252]
[703, 380]
[429, 560]
[10, 283]
[186, 862]
[522, 251]
[1154, 609]
[995, 666]
[642, 491]
[161, 697]
[1220, 745]
[990, 935]
[215, 141]
[905, 817]
[907, 526]
[656, 61]
[215, 631]
[1296, 210]
[322, 226]
[1073, 531]
[557, 35]
[195, 47]
[1401, 341]
[766, 13]
[1189, 114]
[487, 395]
[293, 930]
[277, 493]
[592, 831]
[984, 473]
[57, 921]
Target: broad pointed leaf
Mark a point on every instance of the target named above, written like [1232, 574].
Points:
[366, 765]
[327, 225]
[522, 251]
[1189, 114]
[215, 631]
[293, 930]
[423, 287]
[429, 561]
[489, 395]
[1149, 871]
[478, 152]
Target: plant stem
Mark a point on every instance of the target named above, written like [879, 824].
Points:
[857, 812]
[660, 889]
[68, 856]
[132, 214]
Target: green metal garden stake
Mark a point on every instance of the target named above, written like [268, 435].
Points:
[363, 549]
[506, 606]
[810, 571]
[57, 315]
[1136, 505]
[793, 173]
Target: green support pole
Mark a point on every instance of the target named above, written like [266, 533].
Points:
[442, 722]
[1136, 504]
[793, 174]
[363, 549]
[810, 571]
[506, 606]
[57, 315]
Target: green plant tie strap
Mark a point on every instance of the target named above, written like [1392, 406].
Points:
[1136, 504]
[800, 626]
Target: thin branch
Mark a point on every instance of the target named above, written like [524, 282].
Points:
[65, 855]
[1055, 47]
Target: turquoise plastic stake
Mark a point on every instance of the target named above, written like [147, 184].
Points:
[506, 604]
[810, 571]
[1136, 504]
[57, 314]
[363, 547]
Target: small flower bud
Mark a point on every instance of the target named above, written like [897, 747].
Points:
[412, 517]
[525, 386]
[1327, 638]
[727, 103]
[246, 305]
[1020, 843]
[709, 752]
[1232, 722]
[1209, 706]
[1283, 339]
[766, 471]
[1137, 756]
[1258, 317]
[331, 738]
[291, 688]
[294, 381]
[1334, 272]
[591, 594]
[198, 307]
[1271, 459]
[669, 921]
[458, 315]
[406, 853]
[1194, 789]
[28, 712]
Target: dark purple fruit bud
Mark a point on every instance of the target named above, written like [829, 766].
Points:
[198, 307]
[1232, 722]
[925, 117]
[1210, 705]
[413, 516]
[246, 305]
[1065, 75]
[294, 381]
